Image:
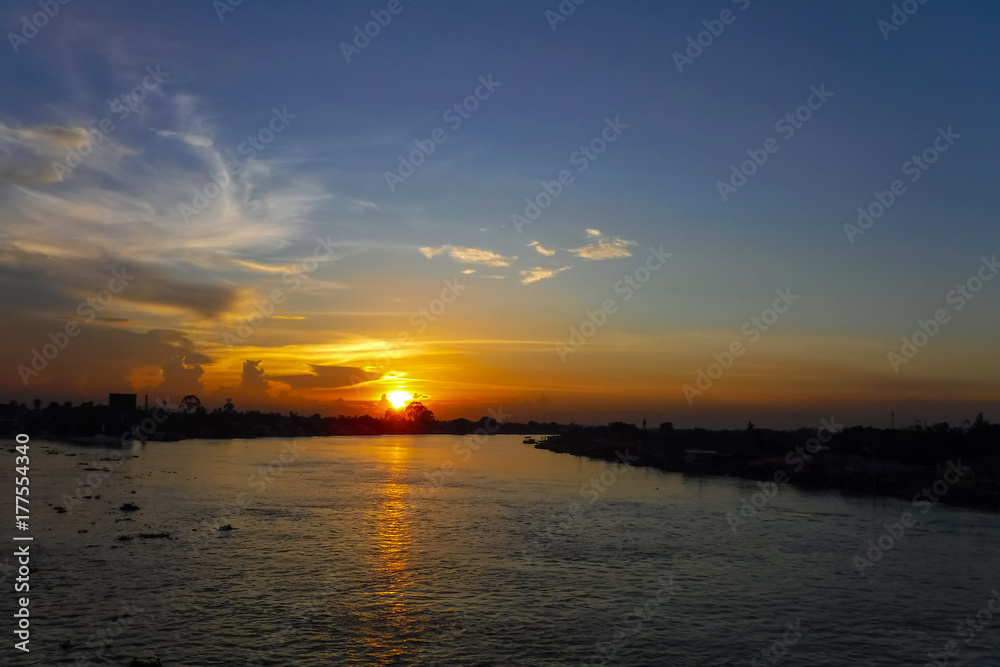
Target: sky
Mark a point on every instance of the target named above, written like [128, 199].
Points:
[589, 213]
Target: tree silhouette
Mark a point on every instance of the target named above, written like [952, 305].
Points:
[190, 403]
[417, 413]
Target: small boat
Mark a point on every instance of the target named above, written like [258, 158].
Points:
[528, 440]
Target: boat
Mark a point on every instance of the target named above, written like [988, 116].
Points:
[528, 440]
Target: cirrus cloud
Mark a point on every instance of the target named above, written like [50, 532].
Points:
[529, 276]
[539, 248]
[469, 255]
[27, 153]
[604, 249]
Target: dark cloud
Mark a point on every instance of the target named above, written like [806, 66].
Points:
[27, 153]
[254, 380]
[38, 283]
[97, 360]
[181, 377]
[153, 287]
[325, 377]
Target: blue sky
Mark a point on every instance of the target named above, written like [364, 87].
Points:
[324, 176]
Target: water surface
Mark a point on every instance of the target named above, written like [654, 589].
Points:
[511, 556]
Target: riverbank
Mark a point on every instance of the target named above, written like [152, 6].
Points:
[834, 463]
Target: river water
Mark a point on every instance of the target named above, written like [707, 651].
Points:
[437, 550]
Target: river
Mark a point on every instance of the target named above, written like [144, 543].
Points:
[440, 550]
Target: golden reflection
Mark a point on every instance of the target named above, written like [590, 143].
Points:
[392, 537]
[388, 557]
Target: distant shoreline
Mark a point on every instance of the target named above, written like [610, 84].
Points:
[910, 483]
[865, 460]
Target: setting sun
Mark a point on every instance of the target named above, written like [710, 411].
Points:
[399, 398]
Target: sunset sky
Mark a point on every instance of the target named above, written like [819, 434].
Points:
[162, 95]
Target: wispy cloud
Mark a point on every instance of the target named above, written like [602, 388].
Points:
[593, 232]
[361, 204]
[469, 255]
[538, 273]
[430, 253]
[190, 139]
[27, 153]
[539, 248]
[604, 249]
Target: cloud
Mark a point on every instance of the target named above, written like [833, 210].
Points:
[154, 288]
[469, 255]
[181, 377]
[539, 248]
[254, 380]
[100, 359]
[593, 232]
[49, 153]
[61, 242]
[34, 283]
[468, 272]
[27, 153]
[323, 377]
[529, 276]
[199, 140]
[37, 284]
[604, 249]
[429, 252]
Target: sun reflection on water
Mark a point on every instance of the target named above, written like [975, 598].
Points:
[388, 558]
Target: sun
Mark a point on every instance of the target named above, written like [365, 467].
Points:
[399, 398]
